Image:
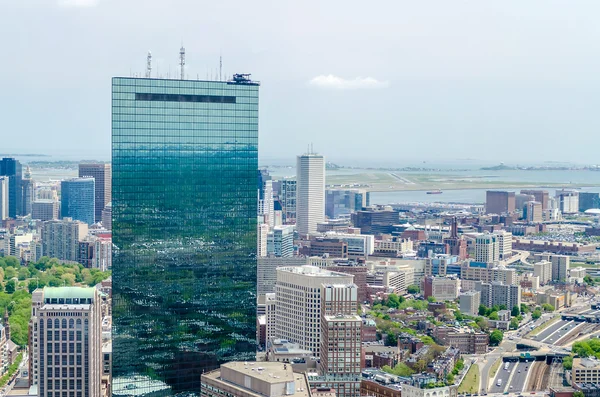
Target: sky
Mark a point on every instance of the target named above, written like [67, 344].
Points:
[377, 82]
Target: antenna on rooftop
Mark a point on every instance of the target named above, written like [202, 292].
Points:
[220, 68]
[149, 65]
[182, 61]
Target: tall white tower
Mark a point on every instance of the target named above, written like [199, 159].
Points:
[310, 192]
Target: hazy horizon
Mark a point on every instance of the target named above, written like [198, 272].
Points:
[386, 83]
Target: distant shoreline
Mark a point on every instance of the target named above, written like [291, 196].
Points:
[475, 187]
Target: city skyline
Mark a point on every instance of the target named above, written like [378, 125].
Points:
[403, 76]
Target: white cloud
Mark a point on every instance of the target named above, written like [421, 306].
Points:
[78, 3]
[335, 82]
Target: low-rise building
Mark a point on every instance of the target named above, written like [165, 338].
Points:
[586, 370]
[441, 288]
[469, 302]
[415, 391]
[464, 339]
[244, 379]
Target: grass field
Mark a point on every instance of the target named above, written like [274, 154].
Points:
[470, 383]
[539, 329]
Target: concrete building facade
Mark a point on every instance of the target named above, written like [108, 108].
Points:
[310, 192]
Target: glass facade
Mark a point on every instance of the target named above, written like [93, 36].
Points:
[14, 171]
[77, 199]
[185, 157]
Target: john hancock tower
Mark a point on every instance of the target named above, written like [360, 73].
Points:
[185, 157]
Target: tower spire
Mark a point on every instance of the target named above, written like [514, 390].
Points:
[182, 61]
[149, 65]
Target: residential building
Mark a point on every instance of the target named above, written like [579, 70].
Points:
[249, 379]
[107, 216]
[359, 245]
[522, 199]
[302, 294]
[577, 272]
[506, 276]
[568, 201]
[441, 288]
[560, 267]
[270, 316]
[533, 212]
[320, 246]
[586, 370]
[45, 210]
[60, 238]
[266, 204]
[393, 248]
[379, 389]
[102, 174]
[504, 244]
[4, 198]
[541, 196]
[77, 199]
[464, 339]
[66, 341]
[487, 248]
[27, 195]
[310, 192]
[340, 352]
[184, 200]
[496, 293]
[499, 202]
[12, 169]
[469, 302]
[415, 391]
[543, 270]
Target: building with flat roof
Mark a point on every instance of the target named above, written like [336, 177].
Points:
[469, 302]
[464, 339]
[45, 210]
[102, 174]
[586, 370]
[541, 196]
[310, 192]
[77, 199]
[184, 208]
[499, 202]
[253, 379]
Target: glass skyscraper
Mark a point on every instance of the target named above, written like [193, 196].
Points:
[12, 168]
[77, 199]
[184, 205]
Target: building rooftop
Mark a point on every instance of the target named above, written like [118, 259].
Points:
[137, 386]
[69, 293]
[270, 373]
[311, 271]
[586, 363]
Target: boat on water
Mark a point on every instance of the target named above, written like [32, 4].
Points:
[438, 191]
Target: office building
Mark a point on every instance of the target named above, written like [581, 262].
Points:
[588, 201]
[27, 196]
[441, 288]
[107, 217]
[541, 196]
[376, 220]
[262, 239]
[568, 201]
[302, 298]
[184, 200]
[12, 168]
[267, 271]
[4, 198]
[543, 270]
[287, 198]
[45, 210]
[344, 202]
[102, 174]
[266, 205]
[586, 371]
[66, 342]
[60, 238]
[560, 267]
[469, 303]
[244, 379]
[533, 212]
[521, 199]
[499, 202]
[487, 248]
[320, 246]
[504, 244]
[77, 199]
[442, 265]
[310, 192]
[359, 245]
[280, 241]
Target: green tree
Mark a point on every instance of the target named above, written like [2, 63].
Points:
[496, 337]
[460, 364]
[400, 369]
[12, 261]
[427, 340]
[413, 289]
[515, 311]
[548, 307]
[458, 316]
[482, 310]
[578, 394]
[568, 363]
[514, 323]
[430, 299]
[524, 308]
[32, 285]
[10, 272]
[391, 340]
[450, 378]
[536, 314]
[493, 316]
[10, 286]
[23, 273]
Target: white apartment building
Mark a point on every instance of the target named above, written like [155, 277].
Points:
[310, 192]
[302, 293]
[543, 270]
[66, 342]
[504, 244]
[560, 267]
[487, 248]
[263, 233]
[506, 276]
[469, 302]
[3, 197]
